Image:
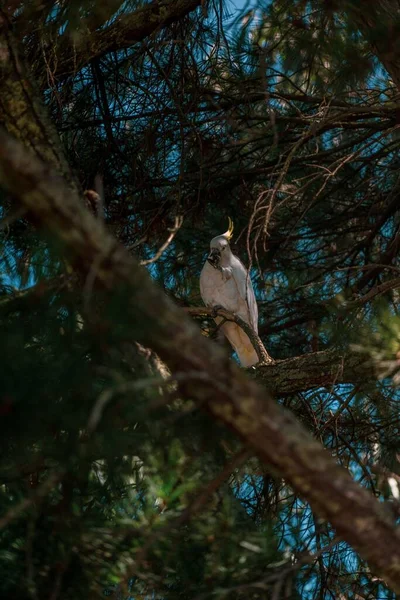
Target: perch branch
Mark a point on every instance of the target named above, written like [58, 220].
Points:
[263, 356]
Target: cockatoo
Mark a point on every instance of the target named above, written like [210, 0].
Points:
[225, 282]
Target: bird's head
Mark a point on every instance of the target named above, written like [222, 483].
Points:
[219, 247]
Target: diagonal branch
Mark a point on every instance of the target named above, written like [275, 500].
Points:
[22, 111]
[226, 392]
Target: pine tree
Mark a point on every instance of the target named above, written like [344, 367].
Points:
[137, 460]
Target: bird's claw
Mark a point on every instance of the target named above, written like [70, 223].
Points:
[216, 309]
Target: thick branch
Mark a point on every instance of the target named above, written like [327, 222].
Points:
[221, 387]
[22, 111]
[316, 369]
[300, 373]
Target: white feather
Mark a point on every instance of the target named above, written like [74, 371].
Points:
[231, 288]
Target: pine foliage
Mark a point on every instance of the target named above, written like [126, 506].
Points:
[282, 116]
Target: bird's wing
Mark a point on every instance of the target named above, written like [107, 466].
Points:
[213, 289]
[204, 287]
[246, 292]
[252, 304]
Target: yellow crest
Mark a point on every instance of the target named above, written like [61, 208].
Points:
[228, 234]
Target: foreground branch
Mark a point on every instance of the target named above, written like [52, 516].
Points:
[223, 389]
[22, 111]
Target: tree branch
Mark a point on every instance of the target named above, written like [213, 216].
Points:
[300, 373]
[316, 369]
[22, 111]
[126, 30]
[226, 392]
[173, 231]
[263, 356]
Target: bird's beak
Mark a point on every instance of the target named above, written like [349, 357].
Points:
[214, 257]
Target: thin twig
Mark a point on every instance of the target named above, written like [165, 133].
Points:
[161, 250]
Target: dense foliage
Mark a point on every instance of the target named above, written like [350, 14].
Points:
[283, 116]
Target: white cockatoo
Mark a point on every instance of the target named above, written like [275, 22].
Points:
[225, 282]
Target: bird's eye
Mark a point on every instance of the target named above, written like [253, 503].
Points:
[223, 247]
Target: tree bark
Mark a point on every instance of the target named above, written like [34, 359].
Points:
[22, 111]
[301, 373]
[212, 380]
[325, 368]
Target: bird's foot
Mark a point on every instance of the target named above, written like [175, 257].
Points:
[266, 362]
[216, 309]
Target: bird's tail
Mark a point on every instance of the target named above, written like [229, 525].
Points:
[241, 343]
[247, 356]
